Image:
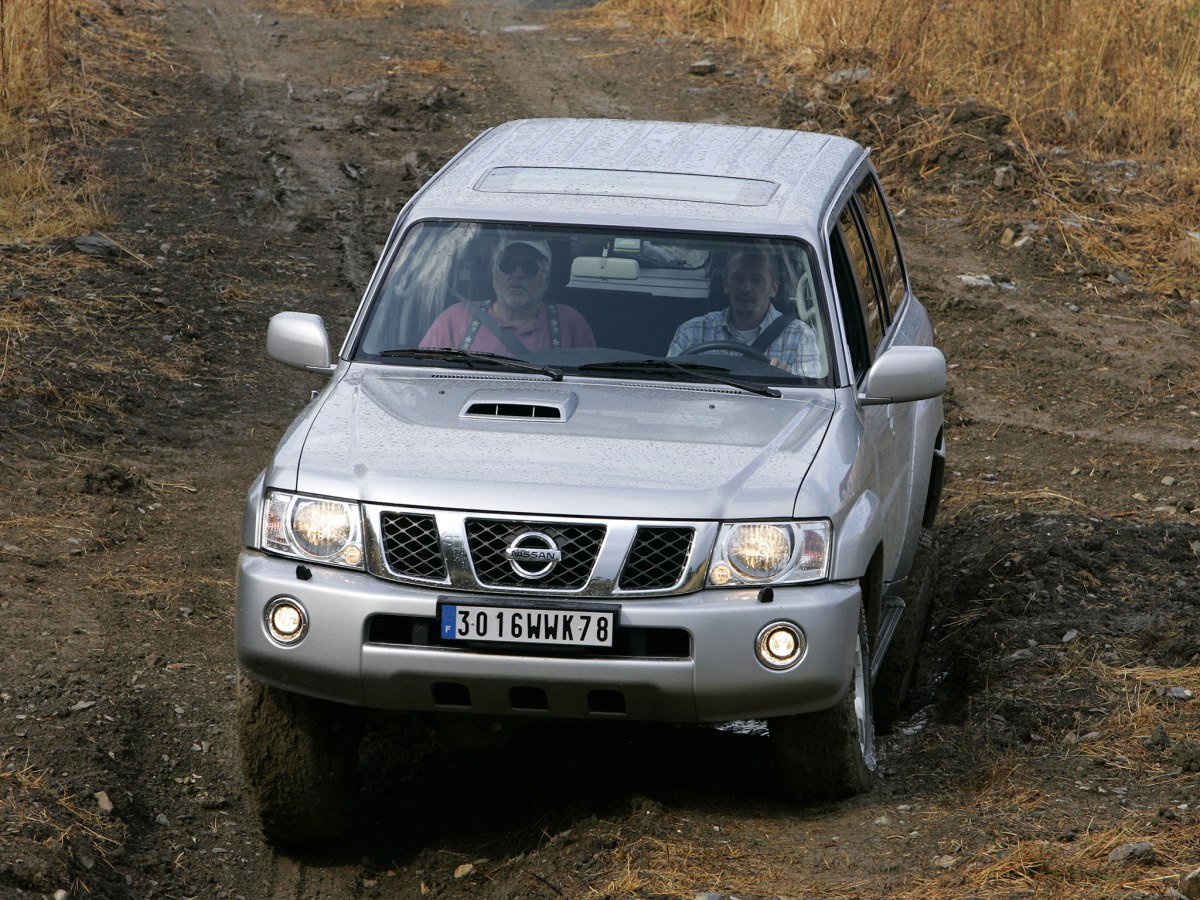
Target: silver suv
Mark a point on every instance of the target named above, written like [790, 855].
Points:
[636, 421]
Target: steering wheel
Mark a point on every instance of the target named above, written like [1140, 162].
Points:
[736, 346]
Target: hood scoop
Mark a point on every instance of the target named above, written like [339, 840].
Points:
[547, 406]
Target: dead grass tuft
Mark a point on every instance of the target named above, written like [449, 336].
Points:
[56, 109]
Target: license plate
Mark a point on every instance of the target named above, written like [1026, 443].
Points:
[528, 625]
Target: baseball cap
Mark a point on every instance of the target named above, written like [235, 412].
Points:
[540, 246]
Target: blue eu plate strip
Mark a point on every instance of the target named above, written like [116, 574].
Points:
[449, 617]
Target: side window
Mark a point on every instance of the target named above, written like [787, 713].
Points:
[851, 305]
[860, 263]
[887, 250]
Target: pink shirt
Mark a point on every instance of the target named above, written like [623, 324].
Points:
[449, 329]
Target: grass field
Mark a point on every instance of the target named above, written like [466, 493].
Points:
[1090, 80]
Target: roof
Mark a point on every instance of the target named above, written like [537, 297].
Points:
[605, 171]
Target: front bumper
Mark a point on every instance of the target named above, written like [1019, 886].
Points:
[717, 678]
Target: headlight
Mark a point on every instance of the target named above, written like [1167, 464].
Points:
[314, 528]
[770, 553]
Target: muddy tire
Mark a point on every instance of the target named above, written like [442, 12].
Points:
[830, 755]
[299, 762]
[896, 675]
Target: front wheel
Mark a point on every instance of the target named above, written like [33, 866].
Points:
[299, 761]
[830, 755]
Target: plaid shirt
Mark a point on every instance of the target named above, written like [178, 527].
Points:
[796, 348]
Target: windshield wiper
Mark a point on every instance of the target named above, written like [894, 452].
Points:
[472, 359]
[695, 370]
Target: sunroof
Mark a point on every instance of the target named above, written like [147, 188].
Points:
[624, 183]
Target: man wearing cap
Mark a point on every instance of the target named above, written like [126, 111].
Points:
[517, 318]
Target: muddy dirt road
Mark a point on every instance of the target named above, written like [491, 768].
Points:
[1056, 721]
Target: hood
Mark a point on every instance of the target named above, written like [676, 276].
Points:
[604, 449]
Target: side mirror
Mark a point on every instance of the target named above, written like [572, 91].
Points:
[299, 339]
[904, 374]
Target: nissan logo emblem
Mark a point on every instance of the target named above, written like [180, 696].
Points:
[532, 554]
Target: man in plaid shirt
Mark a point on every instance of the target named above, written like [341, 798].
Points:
[750, 283]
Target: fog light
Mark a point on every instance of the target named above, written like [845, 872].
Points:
[286, 620]
[780, 645]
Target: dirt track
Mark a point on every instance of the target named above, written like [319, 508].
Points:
[277, 152]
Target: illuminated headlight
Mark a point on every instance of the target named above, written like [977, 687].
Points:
[770, 553]
[313, 528]
[780, 645]
[286, 620]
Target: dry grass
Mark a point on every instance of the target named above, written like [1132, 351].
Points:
[1097, 75]
[56, 109]
[349, 8]
[1102, 80]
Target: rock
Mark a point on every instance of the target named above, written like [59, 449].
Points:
[1168, 480]
[1004, 178]
[1187, 250]
[702, 67]
[464, 870]
[102, 801]
[162, 820]
[96, 245]
[1179, 693]
[848, 76]
[1186, 755]
[443, 98]
[946, 862]
[1070, 636]
[883, 820]
[1130, 854]
[1158, 740]
[82, 705]
[1189, 885]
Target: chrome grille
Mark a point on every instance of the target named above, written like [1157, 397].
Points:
[657, 558]
[411, 546]
[487, 540]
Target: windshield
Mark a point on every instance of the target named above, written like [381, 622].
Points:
[576, 299]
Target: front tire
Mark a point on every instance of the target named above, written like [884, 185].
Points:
[830, 754]
[299, 762]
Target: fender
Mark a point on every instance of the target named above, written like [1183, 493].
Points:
[927, 426]
[856, 538]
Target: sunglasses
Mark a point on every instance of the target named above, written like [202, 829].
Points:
[529, 267]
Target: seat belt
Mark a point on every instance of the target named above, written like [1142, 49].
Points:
[768, 335]
[480, 317]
